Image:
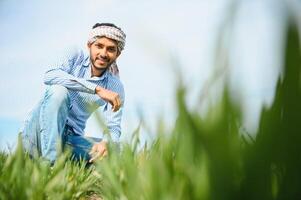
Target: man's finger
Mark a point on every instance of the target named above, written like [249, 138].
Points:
[112, 103]
[115, 107]
[99, 154]
[105, 153]
[118, 102]
[95, 156]
[93, 150]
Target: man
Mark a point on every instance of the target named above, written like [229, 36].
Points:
[75, 89]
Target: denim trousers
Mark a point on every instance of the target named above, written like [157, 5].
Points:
[45, 132]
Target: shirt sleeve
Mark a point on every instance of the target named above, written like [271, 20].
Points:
[113, 119]
[113, 122]
[61, 74]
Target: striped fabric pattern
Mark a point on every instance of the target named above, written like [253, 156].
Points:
[74, 72]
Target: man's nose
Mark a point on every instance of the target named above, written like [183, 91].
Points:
[103, 52]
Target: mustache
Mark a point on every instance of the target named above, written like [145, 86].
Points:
[105, 58]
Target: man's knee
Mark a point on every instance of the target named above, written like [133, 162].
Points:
[58, 93]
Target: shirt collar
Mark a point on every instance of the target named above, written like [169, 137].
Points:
[99, 78]
[95, 78]
[86, 62]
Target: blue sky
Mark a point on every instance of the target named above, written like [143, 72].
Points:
[34, 34]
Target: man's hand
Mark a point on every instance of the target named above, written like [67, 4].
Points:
[99, 150]
[109, 96]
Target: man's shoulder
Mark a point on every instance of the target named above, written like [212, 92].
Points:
[115, 84]
[114, 81]
[77, 54]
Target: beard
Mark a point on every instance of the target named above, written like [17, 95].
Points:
[101, 63]
[99, 66]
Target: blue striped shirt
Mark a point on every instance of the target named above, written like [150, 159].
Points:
[74, 72]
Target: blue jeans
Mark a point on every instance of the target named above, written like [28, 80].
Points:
[45, 132]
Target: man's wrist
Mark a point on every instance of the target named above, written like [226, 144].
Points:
[98, 89]
[103, 142]
[105, 139]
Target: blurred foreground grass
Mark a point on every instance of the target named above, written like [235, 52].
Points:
[201, 158]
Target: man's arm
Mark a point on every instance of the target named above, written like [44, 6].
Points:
[113, 119]
[112, 97]
[61, 74]
[113, 122]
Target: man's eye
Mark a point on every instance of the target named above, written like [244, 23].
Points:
[112, 49]
[98, 46]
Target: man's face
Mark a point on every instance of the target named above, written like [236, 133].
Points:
[103, 52]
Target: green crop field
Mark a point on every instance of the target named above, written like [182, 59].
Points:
[201, 157]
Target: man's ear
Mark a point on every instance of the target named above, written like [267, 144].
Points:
[118, 54]
[89, 45]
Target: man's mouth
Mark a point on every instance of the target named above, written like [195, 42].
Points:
[102, 61]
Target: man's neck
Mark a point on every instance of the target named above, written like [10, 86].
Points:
[97, 72]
